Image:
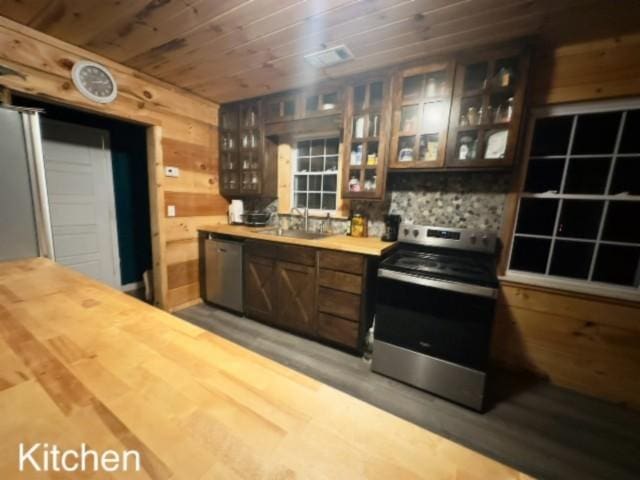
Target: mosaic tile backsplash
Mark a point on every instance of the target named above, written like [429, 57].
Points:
[446, 199]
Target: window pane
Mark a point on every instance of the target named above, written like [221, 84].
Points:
[544, 175]
[551, 136]
[302, 164]
[621, 224]
[596, 133]
[330, 183]
[315, 182]
[328, 201]
[311, 104]
[317, 164]
[475, 76]
[332, 146]
[530, 254]
[303, 149]
[630, 142]
[300, 183]
[412, 87]
[317, 147]
[626, 175]
[331, 164]
[580, 218]
[571, 259]
[587, 175]
[537, 216]
[300, 200]
[617, 264]
[314, 200]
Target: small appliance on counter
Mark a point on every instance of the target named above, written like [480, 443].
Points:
[236, 210]
[391, 225]
[256, 218]
[435, 302]
[359, 226]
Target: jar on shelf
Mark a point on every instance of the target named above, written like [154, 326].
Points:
[354, 184]
[356, 156]
[370, 184]
[467, 148]
[472, 116]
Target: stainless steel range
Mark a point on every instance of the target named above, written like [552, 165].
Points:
[434, 311]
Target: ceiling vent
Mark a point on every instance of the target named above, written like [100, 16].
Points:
[329, 57]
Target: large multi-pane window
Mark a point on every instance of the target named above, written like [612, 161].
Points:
[315, 174]
[579, 210]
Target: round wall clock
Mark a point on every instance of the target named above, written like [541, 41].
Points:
[94, 81]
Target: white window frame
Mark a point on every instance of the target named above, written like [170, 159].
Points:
[319, 212]
[565, 283]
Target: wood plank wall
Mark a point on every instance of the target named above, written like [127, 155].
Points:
[588, 344]
[185, 135]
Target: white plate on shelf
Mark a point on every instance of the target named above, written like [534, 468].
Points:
[496, 144]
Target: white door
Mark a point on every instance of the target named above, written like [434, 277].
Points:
[79, 179]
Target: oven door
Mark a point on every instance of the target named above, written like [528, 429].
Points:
[443, 323]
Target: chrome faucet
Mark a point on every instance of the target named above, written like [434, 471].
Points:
[323, 223]
[305, 216]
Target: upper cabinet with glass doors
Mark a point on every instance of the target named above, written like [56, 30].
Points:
[487, 106]
[229, 159]
[247, 161]
[366, 132]
[421, 103]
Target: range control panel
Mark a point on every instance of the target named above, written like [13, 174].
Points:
[477, 240]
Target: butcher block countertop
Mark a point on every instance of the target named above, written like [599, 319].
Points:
[366, 246]
[83, 363]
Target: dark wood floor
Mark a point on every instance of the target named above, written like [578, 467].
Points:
[542, 430]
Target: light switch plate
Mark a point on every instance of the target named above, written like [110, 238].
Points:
[171, 171]
[171, 210]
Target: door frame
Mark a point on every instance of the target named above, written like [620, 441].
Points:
[156, 191]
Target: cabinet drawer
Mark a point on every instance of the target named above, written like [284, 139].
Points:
[347, 282]
[261, 249]
[344, 262]
[299, 255]
[338, 330]
[342, 304]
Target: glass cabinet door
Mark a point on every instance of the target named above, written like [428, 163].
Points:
[280, 108]
[421, 115]
[486, 108]
[229, 165]
[250, 148]
[366, 126]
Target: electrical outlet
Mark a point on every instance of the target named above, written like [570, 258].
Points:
[171, 210]
[171, 171]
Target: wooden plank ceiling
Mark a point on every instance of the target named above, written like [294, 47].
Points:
[230, 49]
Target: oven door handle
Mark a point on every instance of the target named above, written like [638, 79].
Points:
[469, 289]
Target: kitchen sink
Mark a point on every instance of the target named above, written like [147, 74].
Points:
[282, 232]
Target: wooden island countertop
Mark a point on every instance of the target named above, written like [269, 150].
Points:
[82, 362]
[367, 246]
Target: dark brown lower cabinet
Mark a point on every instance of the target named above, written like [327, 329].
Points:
[259, 287]
[318, 293]
[296, 305]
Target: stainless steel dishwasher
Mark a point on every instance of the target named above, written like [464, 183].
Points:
[223, 273]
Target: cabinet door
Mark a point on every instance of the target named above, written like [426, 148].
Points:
[366, 131]
[250, 148]
[296, 285]
[421, 105]
[487, 106]
[259, 287]
[229, 159]
[280, 108]
[326, 101]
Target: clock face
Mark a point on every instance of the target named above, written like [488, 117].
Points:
[94, 81]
